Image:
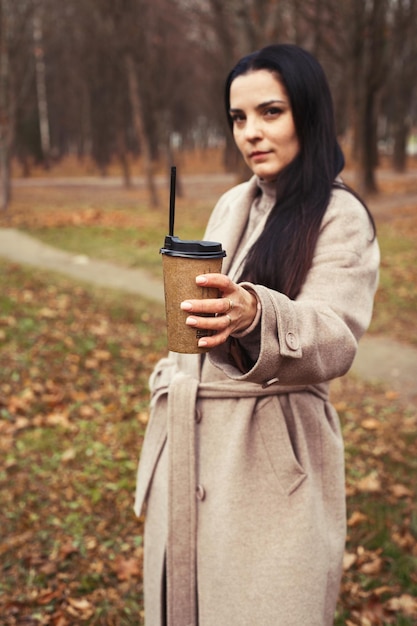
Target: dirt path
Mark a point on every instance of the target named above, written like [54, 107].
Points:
[379, 359]
[22, 248]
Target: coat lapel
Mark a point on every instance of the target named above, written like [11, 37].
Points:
[231, 222]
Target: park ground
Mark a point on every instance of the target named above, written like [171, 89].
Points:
[74, 362]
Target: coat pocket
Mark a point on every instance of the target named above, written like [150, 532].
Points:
[273, 430]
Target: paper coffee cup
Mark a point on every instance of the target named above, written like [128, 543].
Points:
[182, 262]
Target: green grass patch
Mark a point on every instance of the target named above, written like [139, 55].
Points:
[130, 247]
[380, 581]
[126, 237]
[74, 364]
[133, 238]
[395, 310]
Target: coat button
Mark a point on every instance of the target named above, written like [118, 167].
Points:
[292, 341]
[270, 382]
[200, 492]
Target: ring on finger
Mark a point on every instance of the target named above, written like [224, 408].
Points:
[231, 304]
[229, 318]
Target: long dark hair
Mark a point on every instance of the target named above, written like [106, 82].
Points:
[282, 256]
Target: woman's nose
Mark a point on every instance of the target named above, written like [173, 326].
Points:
[252, 128]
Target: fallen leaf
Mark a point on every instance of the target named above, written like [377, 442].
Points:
[91, 364]
[356, 518]
[58, 419]
[47, 313]
[102, 355]
[47, 595]
[49, 568]
[60, 620]
[16, 404]
[404, 540]
[143, 418]
[68, 455]
[14, 542]
[369, 484]
[81, 604]
[379, 591]
[405, 603]
[391, 395]
[66, 549]
[21, 423]
[80, 608]
[372, 567]
[126, 568]
[370, 423]
[349, 559]
[86, 411]
[400, 491]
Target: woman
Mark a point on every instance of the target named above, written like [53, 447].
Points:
[242, 465]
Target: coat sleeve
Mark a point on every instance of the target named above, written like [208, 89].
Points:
[314, 338]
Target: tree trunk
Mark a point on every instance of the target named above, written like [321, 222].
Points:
[371, 71]
[123, 158]
[40, 75]
[5, 177]
[402, 85]
[6, 123]
[399, 155]
[368, 157]
[140, 129]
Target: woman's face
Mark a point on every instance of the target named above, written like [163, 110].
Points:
[263, 125]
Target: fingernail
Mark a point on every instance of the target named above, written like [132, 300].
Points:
[191, 321]
[202, 343]
[186, 306]
[201, 280]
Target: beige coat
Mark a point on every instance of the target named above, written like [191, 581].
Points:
[243, 474]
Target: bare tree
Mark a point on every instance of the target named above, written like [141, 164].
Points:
[356, 39]
[138, 122]
[41, 81]
[13, 82]
[401, 86]
[6, 103]
[115, 78]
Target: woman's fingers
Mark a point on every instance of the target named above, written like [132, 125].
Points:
[213, 306]
[232, 312]
[216, 306]
[219, 322]
[219, 281]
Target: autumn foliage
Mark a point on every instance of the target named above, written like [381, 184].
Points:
[73, 404]
[74, 364]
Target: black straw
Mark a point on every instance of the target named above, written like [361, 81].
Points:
[172, 200]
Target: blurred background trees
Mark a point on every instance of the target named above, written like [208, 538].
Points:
[114, 79]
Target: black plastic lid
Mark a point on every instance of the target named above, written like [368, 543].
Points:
[173, 246]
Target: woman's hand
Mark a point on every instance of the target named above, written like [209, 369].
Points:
[233, 312]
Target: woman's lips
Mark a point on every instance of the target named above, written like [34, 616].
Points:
[258, 155]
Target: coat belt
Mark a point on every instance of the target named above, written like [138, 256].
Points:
[182, 506]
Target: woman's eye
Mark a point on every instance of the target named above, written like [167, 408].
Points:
[273, 112]
[237, 118]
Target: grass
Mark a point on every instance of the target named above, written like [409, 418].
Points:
[380, 581]
[396, 301]
[113, 224]
[397, 294]
[74, 363]
[73, 405]
[119, 226]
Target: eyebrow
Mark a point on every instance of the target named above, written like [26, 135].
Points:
[262, 105]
